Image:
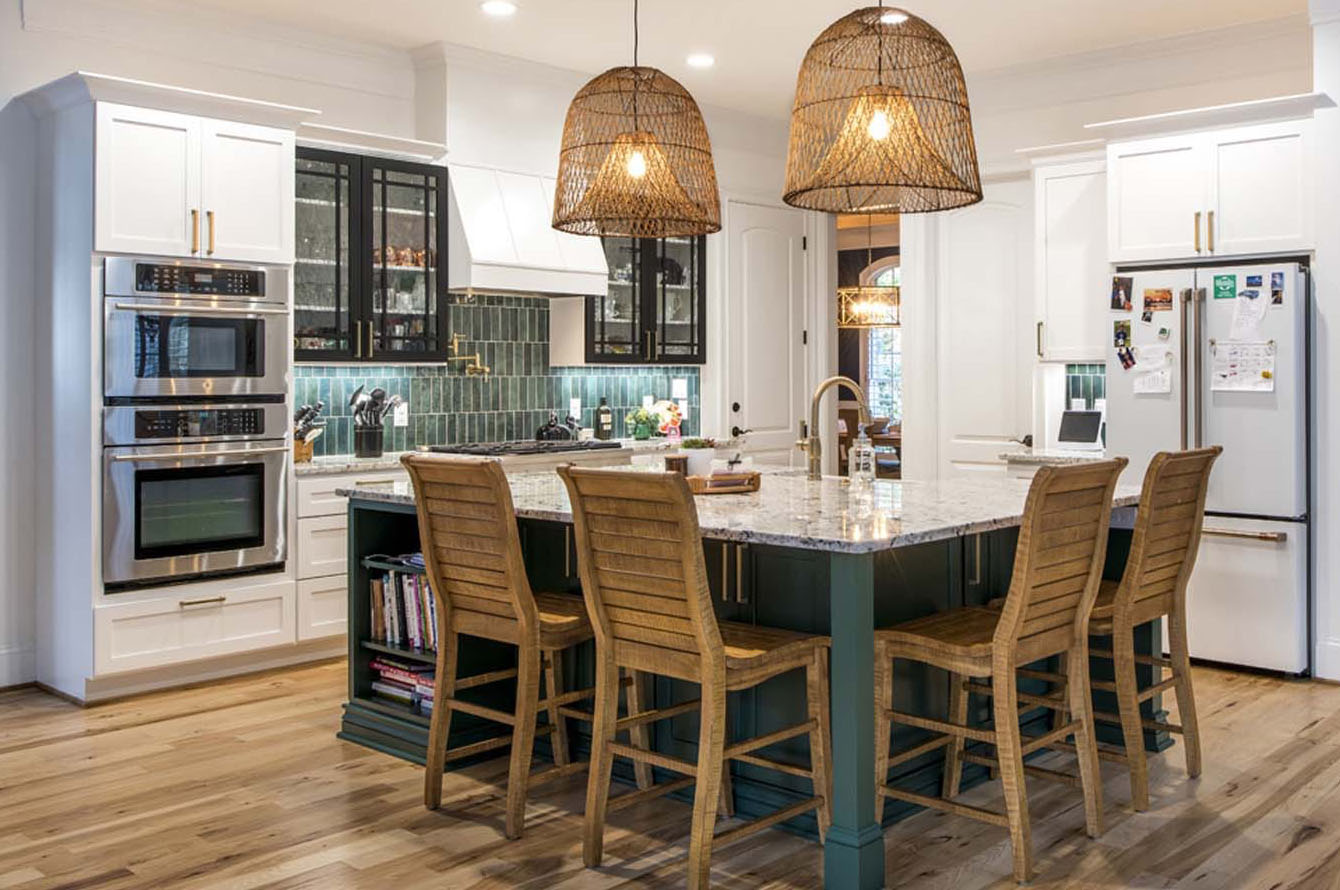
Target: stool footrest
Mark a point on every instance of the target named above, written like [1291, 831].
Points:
[624, 800]
[744, 831]
[772, 738]
[1155, 660]
[466, 707]
[665, 761]
[1156, 726]
[949, 806]
[557, 772]
[767, 763]
[642, 717]
[501, 741]
[1030, 769]
[917, 750]
[1041, 741]
[969, 732]
[484, 679]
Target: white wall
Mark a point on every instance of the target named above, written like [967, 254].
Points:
[1326, 349]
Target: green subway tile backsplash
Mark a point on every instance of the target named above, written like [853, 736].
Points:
[445, 406]
[1086, 381]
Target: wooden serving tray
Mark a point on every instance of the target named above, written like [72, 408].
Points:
[725, 483]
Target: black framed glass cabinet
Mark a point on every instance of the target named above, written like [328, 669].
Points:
[369, 277]
[656, 306]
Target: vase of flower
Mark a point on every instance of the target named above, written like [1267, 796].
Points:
[699, 453]
[642, 421]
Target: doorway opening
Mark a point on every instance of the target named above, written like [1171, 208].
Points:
[868, 253]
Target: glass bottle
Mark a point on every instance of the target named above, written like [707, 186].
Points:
[604, 420]
[861, 459]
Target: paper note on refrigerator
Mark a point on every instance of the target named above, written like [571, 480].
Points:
[1243, 366]
[1249, 310]
[1155, 378]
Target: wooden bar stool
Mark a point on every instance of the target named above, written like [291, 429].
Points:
[1057, 567]
[472, 552]
[640, 555]
[1164, 545]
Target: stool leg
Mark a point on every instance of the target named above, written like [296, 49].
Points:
[1186, 702]
[1086, 743]
[553, 679]
[1060, 716]
[598, 779]
[523, 736]
[439, 725]
[1008, 750]
[639, 735]
[1128, 709]
[711, 752]
[958, 713]
[821, 773]
[883, 727]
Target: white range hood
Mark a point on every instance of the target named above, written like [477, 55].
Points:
[500, 241]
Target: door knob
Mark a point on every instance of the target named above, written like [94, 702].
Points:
[736, 432]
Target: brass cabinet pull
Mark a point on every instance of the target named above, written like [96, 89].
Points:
[371, 348]
[1186, 303]
[195, 231]
[206, 601]
[739, 573]
[1273, 537]
[1209, 230]
[567, 551]
[1197, 231]
[1039, 339]
[358, 339]
[1199, 372]
[725, 572]
[209, 217]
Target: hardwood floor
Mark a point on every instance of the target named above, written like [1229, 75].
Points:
[243, 785]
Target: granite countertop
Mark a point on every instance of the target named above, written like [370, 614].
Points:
[1043, 458]
[789, 510]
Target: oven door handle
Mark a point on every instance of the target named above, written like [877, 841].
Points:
[196, 310]
[190, 455]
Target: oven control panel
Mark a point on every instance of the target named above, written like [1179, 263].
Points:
[170, 278]
[198, 423]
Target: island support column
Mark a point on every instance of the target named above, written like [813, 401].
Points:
[854, 846]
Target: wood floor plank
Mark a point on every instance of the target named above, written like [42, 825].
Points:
[243, 785]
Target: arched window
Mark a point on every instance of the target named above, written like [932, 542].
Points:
[882, 351]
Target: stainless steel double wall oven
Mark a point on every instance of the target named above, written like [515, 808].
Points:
[195, 421]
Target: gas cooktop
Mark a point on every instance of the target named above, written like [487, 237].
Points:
[525, 446]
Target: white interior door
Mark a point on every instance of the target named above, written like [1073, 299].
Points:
[765, 324]
[246, 192]
[147, 180]
[1155, 189]
[983, 337]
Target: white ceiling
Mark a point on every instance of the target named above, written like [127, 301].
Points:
[758, 45]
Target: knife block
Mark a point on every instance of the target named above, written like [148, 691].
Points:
[302, 452]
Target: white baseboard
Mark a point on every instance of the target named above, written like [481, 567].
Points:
[1326, 659]
[18, 665]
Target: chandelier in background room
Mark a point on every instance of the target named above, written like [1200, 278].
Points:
[869, 305]
[636, 160]
[881, 120]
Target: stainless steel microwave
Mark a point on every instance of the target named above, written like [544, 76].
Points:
[172, 329]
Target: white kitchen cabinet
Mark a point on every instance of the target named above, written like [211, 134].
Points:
[322, 546]
[1226, 192]
[175, 628]
[1070, 222]
[246, 192]
[178, 185]
[147, 181]
[1157, 197]
[323, 607]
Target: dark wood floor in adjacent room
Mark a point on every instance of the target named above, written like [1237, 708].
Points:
[243, 784]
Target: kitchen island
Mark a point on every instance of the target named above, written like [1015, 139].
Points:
[806, 555]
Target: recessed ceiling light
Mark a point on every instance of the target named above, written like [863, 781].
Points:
[499, 8]
[701, 60]
[893, 18]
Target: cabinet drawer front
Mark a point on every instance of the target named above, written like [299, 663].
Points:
[323, 606]
[317, 497]
[182, 627]
[322, 546]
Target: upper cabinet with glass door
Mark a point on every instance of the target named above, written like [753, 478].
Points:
[654, 313]
[368, 279]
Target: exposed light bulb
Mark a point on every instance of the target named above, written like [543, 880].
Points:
[637, 165]
[879, 126]
[893, 18]
[701, 60]
[498, 8]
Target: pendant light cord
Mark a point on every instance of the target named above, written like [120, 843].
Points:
[879, 47]
[635, 72]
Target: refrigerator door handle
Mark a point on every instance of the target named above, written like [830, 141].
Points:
[1196, 311]
[1273, 537]
[1186, 301]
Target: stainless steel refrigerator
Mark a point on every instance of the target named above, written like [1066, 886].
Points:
[1217, 355]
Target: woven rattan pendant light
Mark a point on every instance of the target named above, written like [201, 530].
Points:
[881, 120]
[635, 160]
